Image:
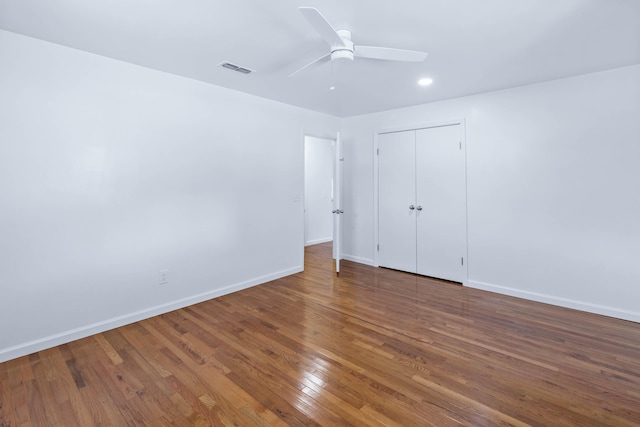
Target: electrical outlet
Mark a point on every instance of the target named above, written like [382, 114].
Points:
[164, 277]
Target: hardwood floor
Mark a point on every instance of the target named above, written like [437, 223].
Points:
[372, 347]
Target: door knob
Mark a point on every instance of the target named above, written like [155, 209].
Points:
[419, 208]
[412, 207]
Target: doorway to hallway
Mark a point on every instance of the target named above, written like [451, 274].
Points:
[323, 196]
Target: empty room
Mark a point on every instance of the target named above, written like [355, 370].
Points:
[320, 213]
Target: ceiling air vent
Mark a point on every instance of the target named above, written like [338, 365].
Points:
[237, 68]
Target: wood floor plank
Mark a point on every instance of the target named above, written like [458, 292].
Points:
[373, 347]
[7, 412]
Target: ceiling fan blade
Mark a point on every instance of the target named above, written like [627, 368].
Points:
[322, 26]
[389, 54]
[323, 58]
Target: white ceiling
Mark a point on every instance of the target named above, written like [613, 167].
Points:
[474, 45]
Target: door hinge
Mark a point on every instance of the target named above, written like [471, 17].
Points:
[462, 261]
[378, 247]
[461, 145]
[378, 151]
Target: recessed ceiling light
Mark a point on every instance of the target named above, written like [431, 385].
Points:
[425, 82]
[332, 88]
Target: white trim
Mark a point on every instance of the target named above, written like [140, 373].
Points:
[304, 195]
[426, 125]
[98, 327]
[558, 301]
[376, 226]
[359, 260]
[318, 241]
[465, 249]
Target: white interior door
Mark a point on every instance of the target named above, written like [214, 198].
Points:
[397, 201]
[337, 203]
[440, 210]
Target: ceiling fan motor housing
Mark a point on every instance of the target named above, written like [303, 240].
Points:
[343, 52]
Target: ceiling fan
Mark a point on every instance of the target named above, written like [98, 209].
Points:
[342, 48]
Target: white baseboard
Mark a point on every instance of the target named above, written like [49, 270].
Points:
[359, 260]
[98, 327]
[318, 241]
[562, 302]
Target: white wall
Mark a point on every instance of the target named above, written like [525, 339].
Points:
[318, 175]
[111, 172]
[553, 188]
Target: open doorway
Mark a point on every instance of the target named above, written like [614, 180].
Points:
[323, 194]
[318, 190]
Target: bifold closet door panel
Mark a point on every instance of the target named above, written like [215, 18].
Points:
[396, 196]
[440, 200]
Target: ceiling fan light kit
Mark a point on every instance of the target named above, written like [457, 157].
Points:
[343, 49]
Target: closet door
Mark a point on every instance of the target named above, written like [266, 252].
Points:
[396, 197]
[440, 202]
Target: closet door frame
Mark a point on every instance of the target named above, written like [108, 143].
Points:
[418, 126]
